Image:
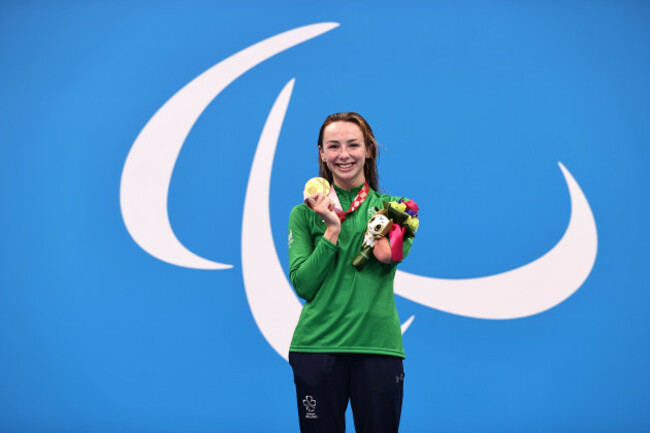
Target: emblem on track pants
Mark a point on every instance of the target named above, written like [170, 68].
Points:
[310, 405]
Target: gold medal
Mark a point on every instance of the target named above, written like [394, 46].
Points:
[316, 184]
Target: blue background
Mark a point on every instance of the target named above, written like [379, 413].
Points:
[474, 104]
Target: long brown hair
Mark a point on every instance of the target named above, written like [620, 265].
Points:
[370, 166]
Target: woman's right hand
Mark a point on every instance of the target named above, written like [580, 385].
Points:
[324, 208]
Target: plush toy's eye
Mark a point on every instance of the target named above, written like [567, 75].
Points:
[378, 227]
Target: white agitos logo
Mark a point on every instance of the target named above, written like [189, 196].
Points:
[521, 292]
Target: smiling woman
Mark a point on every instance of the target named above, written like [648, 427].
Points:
[347, 345]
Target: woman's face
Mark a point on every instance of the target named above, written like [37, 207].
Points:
[344, 151]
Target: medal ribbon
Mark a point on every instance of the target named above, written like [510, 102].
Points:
[360, 198]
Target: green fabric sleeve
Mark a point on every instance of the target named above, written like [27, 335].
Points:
[308, 264]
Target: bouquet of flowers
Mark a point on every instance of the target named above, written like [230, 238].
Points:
[397, 220]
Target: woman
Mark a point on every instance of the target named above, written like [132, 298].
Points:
[348, 343]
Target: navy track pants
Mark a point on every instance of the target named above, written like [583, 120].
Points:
[374, 385]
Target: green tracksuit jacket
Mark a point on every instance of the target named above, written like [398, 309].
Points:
[347, 311]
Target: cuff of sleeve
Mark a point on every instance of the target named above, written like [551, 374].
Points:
[326, 242]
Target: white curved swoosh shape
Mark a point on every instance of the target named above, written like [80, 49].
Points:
[273, 304]
[530, 289]
[148, 168]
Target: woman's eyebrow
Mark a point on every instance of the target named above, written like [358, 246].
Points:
[352, 140]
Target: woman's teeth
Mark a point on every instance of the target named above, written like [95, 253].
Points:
[345, 165]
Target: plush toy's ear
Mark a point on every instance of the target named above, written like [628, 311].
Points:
[386, 229]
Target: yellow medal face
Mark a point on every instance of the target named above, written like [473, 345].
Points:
[317, 184]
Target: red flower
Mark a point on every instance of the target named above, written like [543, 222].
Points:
[411, 205]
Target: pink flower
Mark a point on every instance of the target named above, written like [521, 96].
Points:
[410, 205]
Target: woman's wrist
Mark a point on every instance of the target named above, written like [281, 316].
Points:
[382, 250]
[332, 233]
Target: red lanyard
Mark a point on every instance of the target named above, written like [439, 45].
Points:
[361, 196]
